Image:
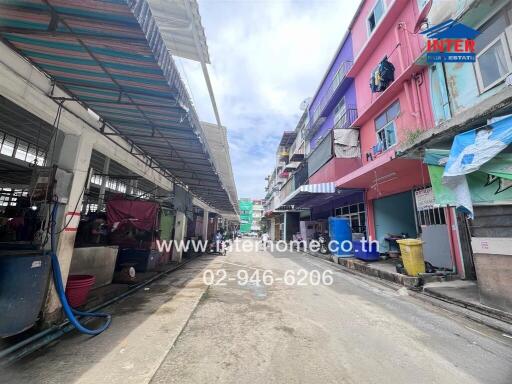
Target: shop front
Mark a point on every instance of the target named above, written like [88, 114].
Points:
[273, 221]
[389, 205]
[118, 216]
[474, 177]
[321, 201]
[394, 218]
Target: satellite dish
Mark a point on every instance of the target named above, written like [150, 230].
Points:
[305, 103]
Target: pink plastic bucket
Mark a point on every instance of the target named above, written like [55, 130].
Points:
[78, 288]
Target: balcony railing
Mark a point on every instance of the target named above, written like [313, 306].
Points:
[326, 149]
[346, 120]
[319, 112]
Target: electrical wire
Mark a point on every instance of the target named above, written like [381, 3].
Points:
[51, 150]
[53, 139]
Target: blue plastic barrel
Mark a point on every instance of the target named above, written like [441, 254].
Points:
[24, 278]
[341, 235]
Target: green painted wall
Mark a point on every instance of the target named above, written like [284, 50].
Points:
[394, 214]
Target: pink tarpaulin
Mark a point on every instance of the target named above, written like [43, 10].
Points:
[141, 214]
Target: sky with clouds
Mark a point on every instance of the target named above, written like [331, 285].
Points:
[267, 56]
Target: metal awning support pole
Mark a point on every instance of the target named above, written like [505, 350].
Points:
[205, 225]
[203, 66]
[208, 84]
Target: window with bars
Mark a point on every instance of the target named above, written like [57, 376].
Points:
[431, 216]
[121, 187]
[356, 213]
[9, 196]
[8, 143]
[112, 184]
[96, 179]
[116, 185]
[19, 149]
[91, 208]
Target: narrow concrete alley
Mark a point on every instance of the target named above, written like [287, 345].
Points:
[353, 331]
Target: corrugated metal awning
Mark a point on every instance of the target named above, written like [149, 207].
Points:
[218, 143]
[179, 23]
[305, 193]
[110, 55]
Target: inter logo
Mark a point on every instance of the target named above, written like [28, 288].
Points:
[450, 41]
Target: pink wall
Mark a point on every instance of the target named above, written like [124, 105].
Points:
[334, 169]
[416, 113]
[359, 29]
[409, 174]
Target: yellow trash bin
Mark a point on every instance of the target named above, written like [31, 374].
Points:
[412, 256]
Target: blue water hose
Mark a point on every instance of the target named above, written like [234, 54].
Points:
[57, 278]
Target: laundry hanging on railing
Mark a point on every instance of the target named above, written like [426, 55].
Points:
[382, 76]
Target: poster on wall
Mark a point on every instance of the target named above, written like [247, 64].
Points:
[490, 184]
[425, 199]
[483, 187]
[476, 164]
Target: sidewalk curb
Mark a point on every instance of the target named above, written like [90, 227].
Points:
[440, 301]
[178, 335]
[479, 308]
[407, 281]
[466, 312]
[363, 268]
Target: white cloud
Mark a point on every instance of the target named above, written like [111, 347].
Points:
[267, 56]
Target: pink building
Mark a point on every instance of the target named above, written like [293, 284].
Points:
[393, 38]
[393, 105]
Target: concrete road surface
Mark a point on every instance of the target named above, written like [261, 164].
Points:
[296, 328]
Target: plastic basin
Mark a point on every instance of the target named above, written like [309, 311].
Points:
[370, 253]
[77, 289]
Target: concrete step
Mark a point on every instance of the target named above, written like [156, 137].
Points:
[383, 270]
